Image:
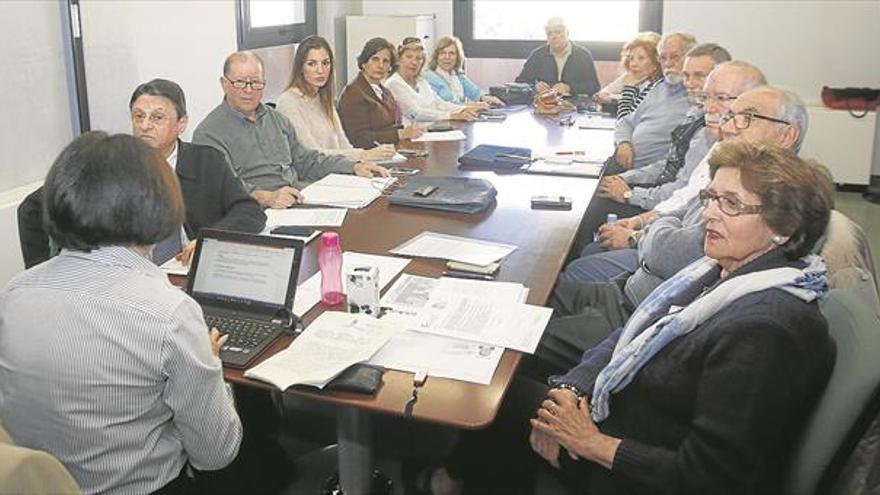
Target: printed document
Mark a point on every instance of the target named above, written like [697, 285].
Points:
[332, 343]
[308, 217]
[450, 247]
[345, 191]
[446, 357]
[309, 292]
[455, 135]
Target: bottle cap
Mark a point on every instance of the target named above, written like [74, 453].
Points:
[330, 239]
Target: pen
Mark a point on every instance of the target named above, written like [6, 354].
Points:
[470, 276]
[560, 153]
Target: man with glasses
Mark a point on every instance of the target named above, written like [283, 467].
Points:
[634, 191]
[260, 143]
[727, 81]
[212, 195]
[642, 137]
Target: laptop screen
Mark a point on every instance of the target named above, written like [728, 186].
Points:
[245, 275]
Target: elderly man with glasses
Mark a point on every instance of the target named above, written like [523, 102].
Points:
[589, 311]
[260, 143]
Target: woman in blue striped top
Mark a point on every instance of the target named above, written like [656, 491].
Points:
[642, 73]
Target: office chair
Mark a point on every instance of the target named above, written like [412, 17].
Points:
[848, 256]
[24, 470]
[849, 401]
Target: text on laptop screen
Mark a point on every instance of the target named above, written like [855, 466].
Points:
[244, 271]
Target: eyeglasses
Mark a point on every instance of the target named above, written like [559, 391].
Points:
[254, 85]
[728, 205]
[702, 98]
[157, 119]
[742, 120]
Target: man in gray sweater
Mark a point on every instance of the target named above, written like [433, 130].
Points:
[260, 143]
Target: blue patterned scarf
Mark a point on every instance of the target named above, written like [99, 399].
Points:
[641, 340]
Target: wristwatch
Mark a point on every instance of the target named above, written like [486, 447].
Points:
[627, 194]
[570, 388]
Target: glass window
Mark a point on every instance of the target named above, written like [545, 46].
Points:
[596, 20]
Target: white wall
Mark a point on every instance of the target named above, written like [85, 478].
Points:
[801, 45]
[441, 8]
[127, 43]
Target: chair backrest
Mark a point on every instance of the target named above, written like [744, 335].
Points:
[848, 256]
[855, 328]
[24, 470]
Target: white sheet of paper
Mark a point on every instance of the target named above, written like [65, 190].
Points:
[309, 292]
[450, 247]
[332, 343]
[175, 267]
[309, 217]
[516, 326]
[397, 158]
[455, 135]
[596, 122]
[443, 357]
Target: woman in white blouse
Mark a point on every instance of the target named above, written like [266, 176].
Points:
[418, 102]
[308, 103]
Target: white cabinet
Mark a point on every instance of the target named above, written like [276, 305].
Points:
[842, 143]
[360, 28]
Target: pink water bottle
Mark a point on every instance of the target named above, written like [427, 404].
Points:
[330, 263]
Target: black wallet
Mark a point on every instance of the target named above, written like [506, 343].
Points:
[358, 378]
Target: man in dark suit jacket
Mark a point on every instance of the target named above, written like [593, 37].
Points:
[560, 64]
[213, 196]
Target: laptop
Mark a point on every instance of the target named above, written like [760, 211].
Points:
[245, 284]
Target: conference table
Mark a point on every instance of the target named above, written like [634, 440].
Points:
[542, 237]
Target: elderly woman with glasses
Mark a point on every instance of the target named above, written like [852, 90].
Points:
[369, 112]
[418, 102]
[706, 386]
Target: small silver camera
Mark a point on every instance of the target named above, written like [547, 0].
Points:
[362, 286]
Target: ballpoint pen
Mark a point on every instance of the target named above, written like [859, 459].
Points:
[470, 276]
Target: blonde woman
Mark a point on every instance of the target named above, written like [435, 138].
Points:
[446, 76]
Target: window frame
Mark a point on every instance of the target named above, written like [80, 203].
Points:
[251, 38]
[650, 19]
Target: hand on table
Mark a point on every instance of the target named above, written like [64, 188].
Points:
[614, 236]
[624, 154]
[217, 341]
[284, 197]
[370, 169]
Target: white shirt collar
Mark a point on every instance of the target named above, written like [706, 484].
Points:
[172, 158]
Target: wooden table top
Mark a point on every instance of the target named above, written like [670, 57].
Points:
[542, 237]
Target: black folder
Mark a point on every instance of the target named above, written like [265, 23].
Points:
[456, 194]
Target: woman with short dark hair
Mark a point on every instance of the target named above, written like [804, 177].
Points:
[368, 110]
[103, 363]
[706, 386]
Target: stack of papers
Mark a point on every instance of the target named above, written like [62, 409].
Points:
[345, 191]
[572, 167]
[457, 328]
[332, 343]
[308, 217]
[309, 292]
[450, 247]
[440, 136]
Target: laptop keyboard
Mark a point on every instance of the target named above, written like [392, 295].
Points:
[247, 338]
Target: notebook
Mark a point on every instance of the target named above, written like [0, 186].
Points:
[245, 284]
